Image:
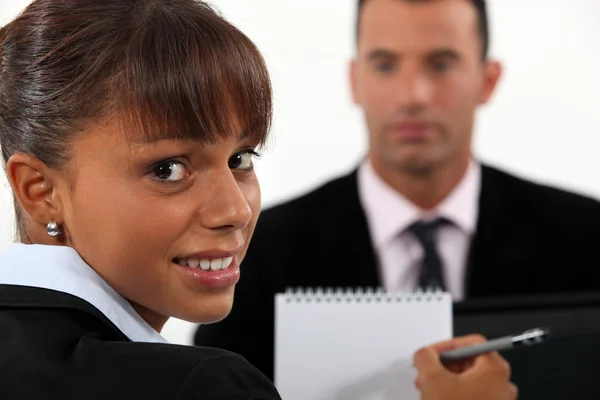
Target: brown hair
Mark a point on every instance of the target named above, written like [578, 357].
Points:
[482, 23]
[167, 68]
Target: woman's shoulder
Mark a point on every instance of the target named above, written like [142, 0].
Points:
[189, 372]
[223, 374]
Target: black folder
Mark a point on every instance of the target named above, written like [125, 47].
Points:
[567, 366]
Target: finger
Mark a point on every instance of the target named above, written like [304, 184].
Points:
[491, 363]
[460, 366]
[502, 366]
[492, 358]
[513, 392]
[427, 361]
[417, 384]
[455, 343]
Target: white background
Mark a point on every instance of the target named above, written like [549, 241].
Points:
[543, 123]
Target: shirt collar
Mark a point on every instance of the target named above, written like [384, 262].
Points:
[61, 268]
[389, 213]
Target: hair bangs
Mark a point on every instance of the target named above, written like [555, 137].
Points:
[193, 78]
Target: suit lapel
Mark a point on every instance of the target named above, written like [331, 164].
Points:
[345, 229]
[503, 243]
[502, 248]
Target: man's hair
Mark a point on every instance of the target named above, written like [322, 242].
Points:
[483, 25]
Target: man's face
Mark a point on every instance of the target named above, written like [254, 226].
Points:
[419, 76]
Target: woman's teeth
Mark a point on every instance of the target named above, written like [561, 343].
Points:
[214, 264]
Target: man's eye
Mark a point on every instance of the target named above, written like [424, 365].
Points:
[170, 170]
[384, 66]
[440, 66]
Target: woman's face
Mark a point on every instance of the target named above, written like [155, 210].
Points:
[165, 223]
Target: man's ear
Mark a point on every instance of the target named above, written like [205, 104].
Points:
[492, 73]
[34, 188]
[353, 78]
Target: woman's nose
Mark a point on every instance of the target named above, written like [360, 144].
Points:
[225, 204]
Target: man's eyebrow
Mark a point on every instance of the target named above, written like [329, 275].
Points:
[381, 53]
[377, 54]
[445, 53]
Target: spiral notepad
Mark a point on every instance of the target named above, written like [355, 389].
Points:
[351, 345]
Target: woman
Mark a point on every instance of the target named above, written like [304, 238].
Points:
[128, 130]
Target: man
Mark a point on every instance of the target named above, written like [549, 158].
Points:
[420, 211]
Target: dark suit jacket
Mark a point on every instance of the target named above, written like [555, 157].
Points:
[56, 346]
[530, 239]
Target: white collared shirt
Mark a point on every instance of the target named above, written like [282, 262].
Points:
[389, 215]
[61, 268]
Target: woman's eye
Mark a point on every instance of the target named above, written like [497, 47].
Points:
[242, 160]
[170, 170]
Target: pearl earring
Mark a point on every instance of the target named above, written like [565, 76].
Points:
[52, 229]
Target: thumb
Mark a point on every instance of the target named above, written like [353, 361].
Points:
[427, 361]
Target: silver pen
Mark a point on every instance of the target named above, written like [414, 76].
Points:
[527, 338]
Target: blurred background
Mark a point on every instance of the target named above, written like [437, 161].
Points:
[542, 124]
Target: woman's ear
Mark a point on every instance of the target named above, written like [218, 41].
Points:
[34, 187]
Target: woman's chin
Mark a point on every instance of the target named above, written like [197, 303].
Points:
[211, 310]
[209, 318]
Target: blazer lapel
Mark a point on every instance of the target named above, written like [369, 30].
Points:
[502, 245]
[344, 228]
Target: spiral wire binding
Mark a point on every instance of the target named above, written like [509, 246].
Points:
[358, 295]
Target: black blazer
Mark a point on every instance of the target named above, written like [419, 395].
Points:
[57, 346]
[530, 239]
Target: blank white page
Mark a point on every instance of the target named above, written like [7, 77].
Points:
[354, 346]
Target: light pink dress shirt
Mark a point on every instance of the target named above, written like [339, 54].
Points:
[399, 253]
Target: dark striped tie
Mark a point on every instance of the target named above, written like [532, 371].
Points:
[432, 273]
